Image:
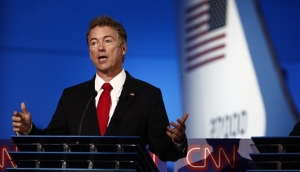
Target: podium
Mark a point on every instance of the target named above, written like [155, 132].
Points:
[81, 153]
[276, 153]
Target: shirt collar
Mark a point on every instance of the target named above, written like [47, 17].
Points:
[117, 82]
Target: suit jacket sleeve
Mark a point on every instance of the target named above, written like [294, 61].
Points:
[296, 130]
[159, 142]
[59, 123]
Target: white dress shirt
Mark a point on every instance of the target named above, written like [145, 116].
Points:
[117, 84]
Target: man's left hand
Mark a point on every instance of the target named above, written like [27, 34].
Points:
[178, 132]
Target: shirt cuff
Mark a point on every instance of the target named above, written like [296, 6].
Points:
[180, 146]
[25, 133]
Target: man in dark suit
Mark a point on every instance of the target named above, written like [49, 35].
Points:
[136, 108]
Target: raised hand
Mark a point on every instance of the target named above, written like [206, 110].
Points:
[21, 120]
[178, 132]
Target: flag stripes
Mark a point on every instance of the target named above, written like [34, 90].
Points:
[204, 33]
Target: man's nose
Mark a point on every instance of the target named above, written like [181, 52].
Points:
[101, 47]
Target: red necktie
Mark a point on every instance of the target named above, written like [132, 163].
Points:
[104, 107]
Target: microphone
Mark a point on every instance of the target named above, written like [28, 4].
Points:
[86, 107]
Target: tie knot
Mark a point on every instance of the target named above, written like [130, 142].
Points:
[107, 87]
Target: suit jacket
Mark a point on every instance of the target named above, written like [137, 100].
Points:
[140, 112]
[296, 130]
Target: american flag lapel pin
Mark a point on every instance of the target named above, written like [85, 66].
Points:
[131, 94]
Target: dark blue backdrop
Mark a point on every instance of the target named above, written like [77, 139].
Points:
[282, 24]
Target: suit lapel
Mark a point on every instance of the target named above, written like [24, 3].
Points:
[91, 116]
[127, 96]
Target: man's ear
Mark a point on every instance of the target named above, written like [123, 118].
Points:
[90, 54]
[124, 49]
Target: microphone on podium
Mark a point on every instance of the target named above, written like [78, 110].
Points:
[85, 110]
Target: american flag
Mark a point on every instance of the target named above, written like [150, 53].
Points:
[204, 33]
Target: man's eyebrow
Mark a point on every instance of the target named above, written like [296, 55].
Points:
[93, 39]
[108, 36]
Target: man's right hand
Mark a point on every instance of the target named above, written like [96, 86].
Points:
[22, 120]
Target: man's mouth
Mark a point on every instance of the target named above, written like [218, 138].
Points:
[102, 57]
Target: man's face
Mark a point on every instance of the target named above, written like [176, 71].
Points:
[106, 51]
